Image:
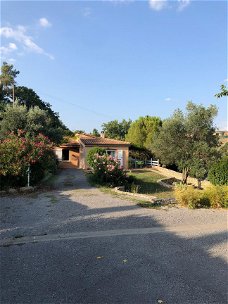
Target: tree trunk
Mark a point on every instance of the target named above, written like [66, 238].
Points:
[199, 183]
[184, 176]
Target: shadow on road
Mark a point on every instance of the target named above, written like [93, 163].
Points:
[185, 268]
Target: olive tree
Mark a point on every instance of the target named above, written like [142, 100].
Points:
[188, 140]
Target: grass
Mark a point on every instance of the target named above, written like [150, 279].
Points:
[148, 183]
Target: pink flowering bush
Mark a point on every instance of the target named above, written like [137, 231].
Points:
[106, 170]
[20, 150]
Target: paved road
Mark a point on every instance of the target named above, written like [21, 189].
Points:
[76, 244]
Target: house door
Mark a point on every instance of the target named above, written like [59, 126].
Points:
[65, 154]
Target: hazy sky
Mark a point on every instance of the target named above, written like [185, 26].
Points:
[95, 61]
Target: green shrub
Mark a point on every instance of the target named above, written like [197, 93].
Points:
[106, 170]
[21, 150]
[218, 196]
[214, 196]
[218, 173]
[91, 155]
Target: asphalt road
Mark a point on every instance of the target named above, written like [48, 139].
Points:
[57, 247]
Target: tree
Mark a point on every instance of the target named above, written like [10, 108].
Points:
[33, 121]
[188, 141]
[12, 119]
[7, 81]
[8, 75]
[115, 129]
[142, 131]
[79, 132]
[223, 92]
[27, 97]
[95, 133]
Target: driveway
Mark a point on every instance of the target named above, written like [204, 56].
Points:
[76, 244]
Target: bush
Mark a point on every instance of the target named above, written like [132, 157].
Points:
[18, 152]
[91, 155]
[218, 173]
[106, 170]
[218, 196]
[214, 196]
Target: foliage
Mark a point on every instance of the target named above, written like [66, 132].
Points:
[19, 150]
[79, 132]
[95, 133]
[139, 153]
[218, 173]
[214, 196]
[7, 80]
[34, 121]
[223, 92]
[12, 119]
[188, 141]
[91, 155]
[142, 131]
[8, 74]
[223, 150]
[28, 98]
[218, 196]
[115, 129]
[106, 170]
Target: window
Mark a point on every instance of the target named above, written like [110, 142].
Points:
[111, 152]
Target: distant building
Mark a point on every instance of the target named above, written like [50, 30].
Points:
[223, 136]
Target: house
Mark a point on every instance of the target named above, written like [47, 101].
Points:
[223, 136]
[74, 152]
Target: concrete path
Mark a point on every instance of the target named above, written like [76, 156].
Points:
[76, 244]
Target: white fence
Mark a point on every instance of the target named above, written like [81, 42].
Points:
[140, 163]
[152, 162]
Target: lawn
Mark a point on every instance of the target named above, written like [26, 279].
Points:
[147, 181]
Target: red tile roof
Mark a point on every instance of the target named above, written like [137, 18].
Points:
[100, 141]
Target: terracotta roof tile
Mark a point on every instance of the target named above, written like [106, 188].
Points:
[102, 141]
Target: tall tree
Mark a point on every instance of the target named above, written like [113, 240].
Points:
[115, 129]
[8, 75]
[188, 141]
[7, 81]
[142, 131]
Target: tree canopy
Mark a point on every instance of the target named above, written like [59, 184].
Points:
[29, 112]
[142, 131]
[33, 121]
[95, 133]
[115, 129]
[188, 140]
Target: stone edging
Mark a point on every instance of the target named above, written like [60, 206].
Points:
[120, 190]
[152, 199]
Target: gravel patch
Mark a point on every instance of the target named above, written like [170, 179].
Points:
[75, 206]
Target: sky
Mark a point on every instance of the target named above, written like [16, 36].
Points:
[96, 61]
